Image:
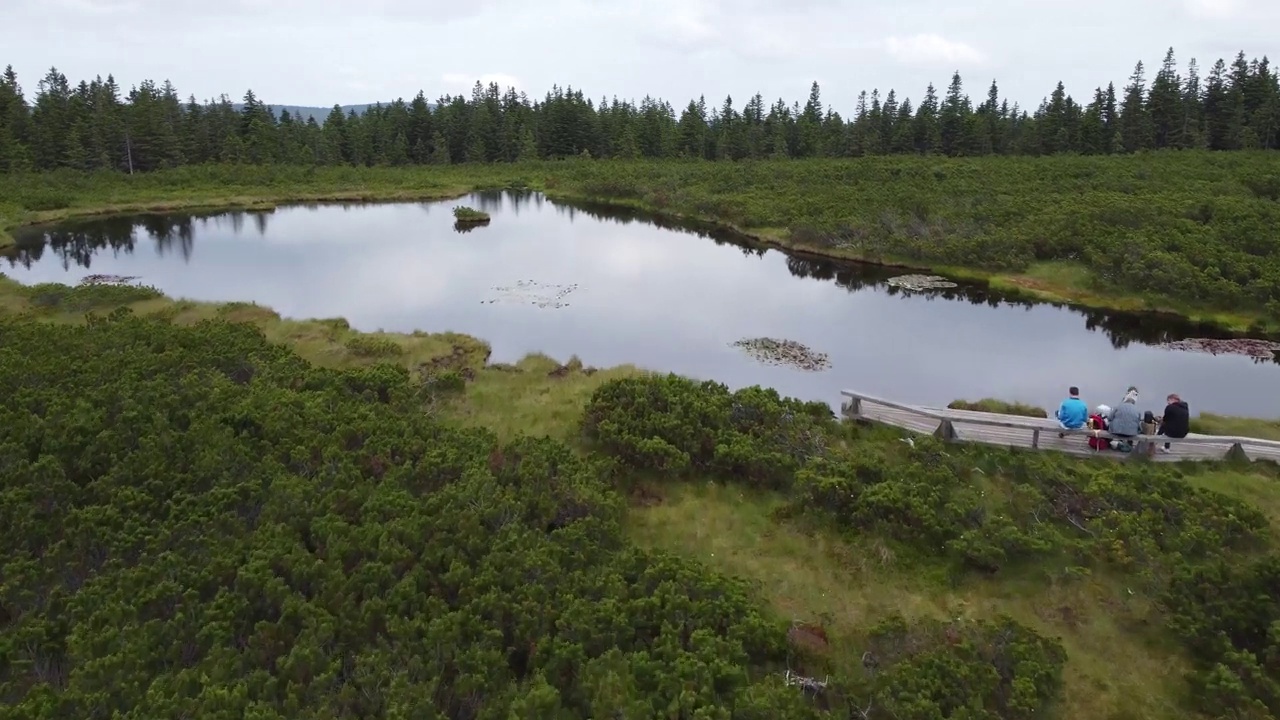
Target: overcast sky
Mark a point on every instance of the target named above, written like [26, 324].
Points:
[321, 52]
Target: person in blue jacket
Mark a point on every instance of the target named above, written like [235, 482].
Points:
[1073, 413]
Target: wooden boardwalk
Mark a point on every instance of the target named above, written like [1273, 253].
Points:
[1042, 433]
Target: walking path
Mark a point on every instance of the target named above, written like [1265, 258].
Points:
[1042, 433]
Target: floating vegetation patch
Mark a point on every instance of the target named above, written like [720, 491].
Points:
[110, 279]
[530, 292]
[1251, 347]
[784, 352]
[466, 215]
[920, 283]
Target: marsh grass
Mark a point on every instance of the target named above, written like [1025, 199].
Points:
[325, 342]
[1004, 407]
[1212, 424]
[537, 395]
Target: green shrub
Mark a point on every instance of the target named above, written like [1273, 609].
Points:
[373, 347]
[931, 669]
[1228, 616]
[195, 522]
[445, 382]
[83, 298]
[44, 200]
[672, 425]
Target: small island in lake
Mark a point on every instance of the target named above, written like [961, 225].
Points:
[463, 215]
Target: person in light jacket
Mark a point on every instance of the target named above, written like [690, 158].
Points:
[1126, 421]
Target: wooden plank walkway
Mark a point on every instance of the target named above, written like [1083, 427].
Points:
[1042, 433]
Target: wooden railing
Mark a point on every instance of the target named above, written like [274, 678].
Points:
[1045, 433]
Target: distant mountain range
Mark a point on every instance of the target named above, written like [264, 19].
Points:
[303, 112]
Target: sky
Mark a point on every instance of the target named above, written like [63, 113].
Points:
[322, 52]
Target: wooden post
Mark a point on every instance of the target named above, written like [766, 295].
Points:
[852, 408]
[946, 431]
[1035, 439]
[1236, 453]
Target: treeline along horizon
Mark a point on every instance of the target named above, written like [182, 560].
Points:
[92, 126]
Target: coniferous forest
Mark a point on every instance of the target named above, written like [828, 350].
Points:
[98, 125]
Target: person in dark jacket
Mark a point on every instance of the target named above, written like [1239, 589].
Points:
[1176, 421]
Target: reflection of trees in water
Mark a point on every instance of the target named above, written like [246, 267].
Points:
[854, 277]
[1122, 329]
[488, 201]
[1156, 329]
[627, 216]
[76, 243]
[495, 200]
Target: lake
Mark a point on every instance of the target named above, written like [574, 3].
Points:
[615, 288]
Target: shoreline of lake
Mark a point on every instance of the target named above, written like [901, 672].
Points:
[332, 342]
[1053, 282]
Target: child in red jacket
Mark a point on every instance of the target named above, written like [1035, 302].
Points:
[1098, 421]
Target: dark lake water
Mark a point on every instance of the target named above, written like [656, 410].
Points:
[635, 292]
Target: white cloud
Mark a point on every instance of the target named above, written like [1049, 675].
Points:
[462, 81]
[1215, 9]
[931, 49]
[99, 7]
[689, 25]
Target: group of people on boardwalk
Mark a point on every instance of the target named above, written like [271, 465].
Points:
[1124, 422]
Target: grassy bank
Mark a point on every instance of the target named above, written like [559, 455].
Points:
[537, 392]
[1187, 233]
[993, 405]
[1121, 663]
[32, 200]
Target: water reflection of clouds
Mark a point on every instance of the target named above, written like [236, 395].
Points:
[661, 299]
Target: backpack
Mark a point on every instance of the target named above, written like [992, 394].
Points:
[1097, 422]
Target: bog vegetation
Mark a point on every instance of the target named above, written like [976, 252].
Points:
[197, 521]
[1187, 232]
